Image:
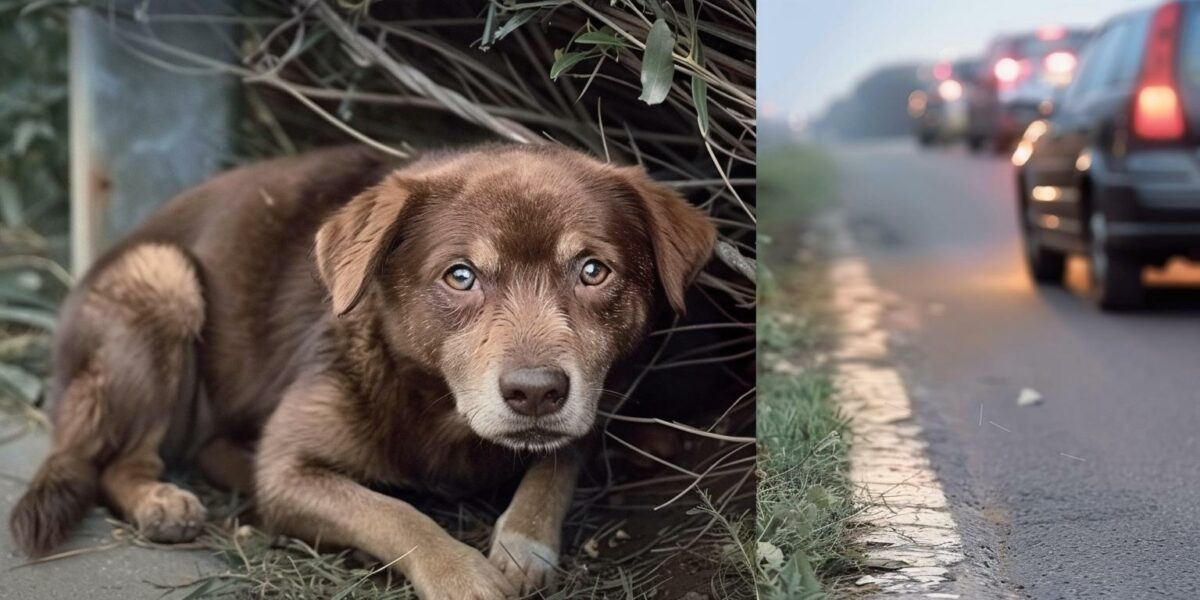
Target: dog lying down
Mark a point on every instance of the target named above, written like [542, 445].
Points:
[306, 327]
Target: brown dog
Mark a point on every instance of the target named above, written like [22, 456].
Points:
[456, 331]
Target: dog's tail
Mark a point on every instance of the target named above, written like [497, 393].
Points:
[61, 494]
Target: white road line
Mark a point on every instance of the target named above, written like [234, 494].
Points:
[910, 535]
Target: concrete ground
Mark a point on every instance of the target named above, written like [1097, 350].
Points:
[120, 573]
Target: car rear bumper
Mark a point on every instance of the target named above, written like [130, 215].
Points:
[1153, 204]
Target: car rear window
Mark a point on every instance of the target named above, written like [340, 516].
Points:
[1189, 49]
[1034, 47]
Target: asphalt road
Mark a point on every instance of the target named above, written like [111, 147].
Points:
[1094, 493]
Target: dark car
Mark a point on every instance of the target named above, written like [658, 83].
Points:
[1019, 79]
[1114, 174]
[939, 106]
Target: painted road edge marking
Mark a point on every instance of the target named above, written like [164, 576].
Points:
[909, 533]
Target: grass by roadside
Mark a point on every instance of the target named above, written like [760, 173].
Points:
[794, 182]
[804, 501]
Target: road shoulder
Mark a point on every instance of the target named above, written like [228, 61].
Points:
[908, 535]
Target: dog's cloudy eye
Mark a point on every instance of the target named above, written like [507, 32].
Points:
[460, 277]
[594, 272]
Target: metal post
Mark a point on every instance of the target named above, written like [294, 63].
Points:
[141, 133]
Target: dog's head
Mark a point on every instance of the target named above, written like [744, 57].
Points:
[520, 274]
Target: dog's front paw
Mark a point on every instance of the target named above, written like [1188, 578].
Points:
[529, 564]
[166, 513]
[460, 572]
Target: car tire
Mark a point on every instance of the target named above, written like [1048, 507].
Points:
[1045, 265]
[974, 143]
[1115, 277]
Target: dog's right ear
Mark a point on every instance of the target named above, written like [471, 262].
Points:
[353, 241]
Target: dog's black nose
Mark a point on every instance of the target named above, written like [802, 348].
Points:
[536, 391]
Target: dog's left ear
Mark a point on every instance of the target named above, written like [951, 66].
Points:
[353, 241]
[682, 235]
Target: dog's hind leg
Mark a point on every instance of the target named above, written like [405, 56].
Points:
[228, 465]
[123, 353]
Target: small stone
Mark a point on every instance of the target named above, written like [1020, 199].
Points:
[1029, 397]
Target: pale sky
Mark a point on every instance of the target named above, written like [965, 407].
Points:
[811, 51]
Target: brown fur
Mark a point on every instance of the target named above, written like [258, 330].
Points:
[296, 309]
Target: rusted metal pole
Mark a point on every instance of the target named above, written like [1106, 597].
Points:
[141, 132]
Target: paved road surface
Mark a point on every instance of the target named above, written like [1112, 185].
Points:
[123, 573]
[1122, 393]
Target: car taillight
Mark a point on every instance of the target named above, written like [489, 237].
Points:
[1051, 32]
[1007, 70]
[942, 71]
[1059, 63]
[950, 90]
[1157, 112]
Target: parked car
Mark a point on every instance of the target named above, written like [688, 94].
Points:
[1020, 78]
[1114, 174]
[939, 107]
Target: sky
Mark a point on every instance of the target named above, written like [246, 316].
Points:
[812, 51]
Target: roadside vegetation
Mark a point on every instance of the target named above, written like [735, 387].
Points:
[33, 206]
[804, 501]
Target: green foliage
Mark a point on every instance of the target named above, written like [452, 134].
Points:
[803, 497]
[658, 40]
[33, 196]
[658, 66]
[804, 502]
[794, 182]
[33, 119]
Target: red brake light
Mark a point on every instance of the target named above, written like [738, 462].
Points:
[1157, 112]
[1059, 63]
[1051, 32]
[942, 71]
[1007, 70]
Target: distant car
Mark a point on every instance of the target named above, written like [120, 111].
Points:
[939, 108]
[1018, 82]
[1114, 174]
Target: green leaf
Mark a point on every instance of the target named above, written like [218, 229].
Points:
[23, 383]
[693, 32]
[27, 316]
[489, 28]
[700, 100]
[600, 38]
[11, 210]
[563, 61]
[658, 67]
[511, 25]
[29, 131]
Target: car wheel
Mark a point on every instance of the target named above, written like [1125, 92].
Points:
[1045, 264]
[975, 143]
[1116, 278]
